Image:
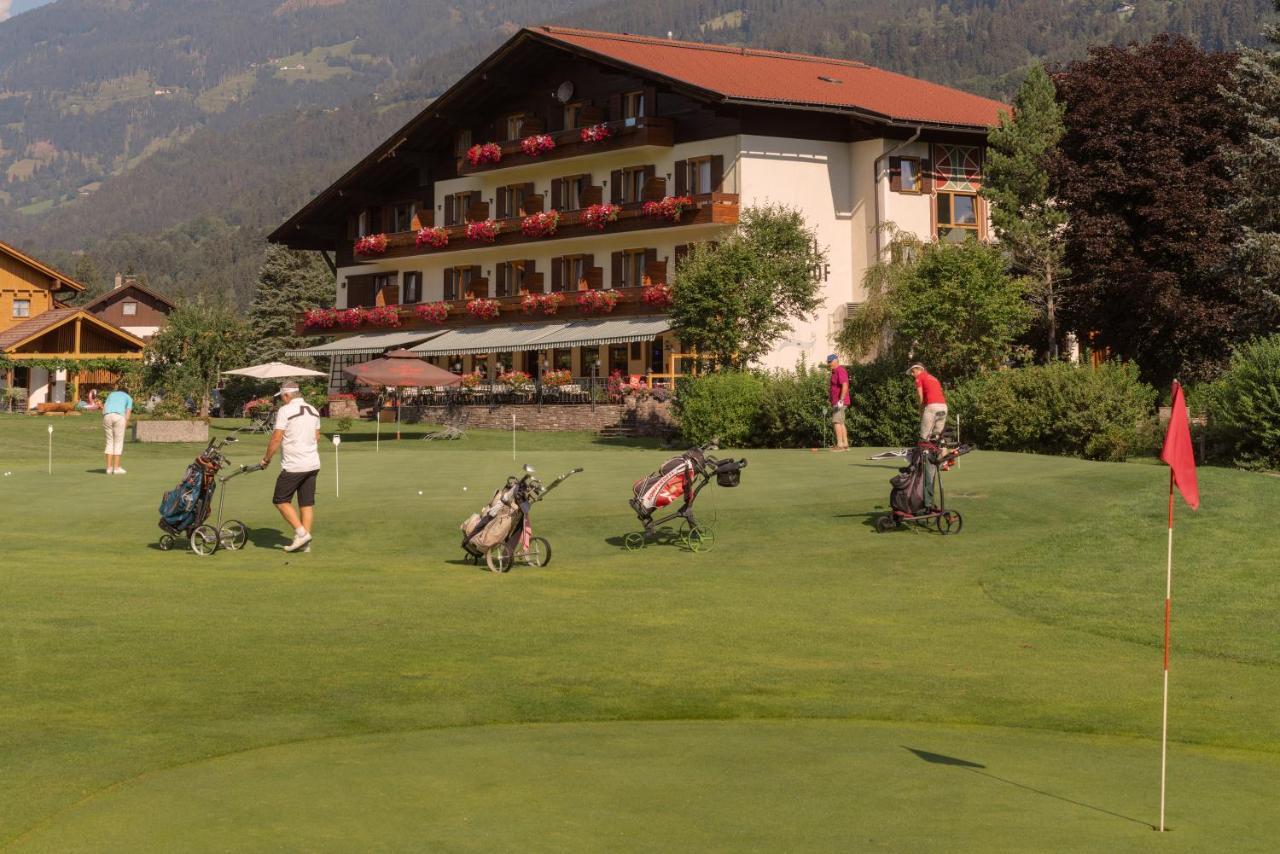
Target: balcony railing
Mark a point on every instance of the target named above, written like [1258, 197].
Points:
[709, 209]
[623, 133]
[510, 310]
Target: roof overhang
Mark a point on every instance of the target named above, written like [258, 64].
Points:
[82, 316]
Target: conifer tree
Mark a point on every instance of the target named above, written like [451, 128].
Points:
[288, 283]
[1255, 173]
[1026, 219]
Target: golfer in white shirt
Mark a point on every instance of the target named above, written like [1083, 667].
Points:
[296, 435]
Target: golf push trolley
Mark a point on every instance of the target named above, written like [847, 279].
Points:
[185, 509]
[502, 532]
[682, 477]
[916, 495]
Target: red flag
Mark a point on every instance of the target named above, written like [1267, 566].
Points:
[1177, 452]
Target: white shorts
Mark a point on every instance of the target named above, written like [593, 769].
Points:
[113, 426]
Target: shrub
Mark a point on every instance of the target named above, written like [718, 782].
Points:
[1243, 405]
[719, 407]
[1102, 414]
[793, 409]
[882, 411]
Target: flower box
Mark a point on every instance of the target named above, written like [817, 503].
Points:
[537, 145]
[383, 315]
[597, 302]
[489, 152]
[540, 224]
[670, 208]
[545, 303]
[596, 217]
[516, 380]
[351, 318]
[433, 312]
[484, 309]
[435, 238]
[371, 244]
[555, 379]
[320, 318]
[656, 295]
[595, 133]
[472, 379]
[485, 231]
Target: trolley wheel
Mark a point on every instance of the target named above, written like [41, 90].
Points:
[950, 522]
[166, 542]
[538, 553]
[204, 540]
[700, 538]
[885, 523]
[498, 558]
[634, 541]
[232, 535]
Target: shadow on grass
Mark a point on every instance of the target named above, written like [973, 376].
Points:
[981, 770]
[268, 538]
[868, 519]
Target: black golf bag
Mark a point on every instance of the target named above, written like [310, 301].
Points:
[908, 494]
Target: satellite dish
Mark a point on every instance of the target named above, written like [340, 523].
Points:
[564, 91]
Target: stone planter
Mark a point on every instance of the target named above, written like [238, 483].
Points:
[343, 409]
[171, 431]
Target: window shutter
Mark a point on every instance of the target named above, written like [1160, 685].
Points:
[717, 173]
[557, 274]
[526, 191]
[615, 186]
[650, 101]
[617, 269]
[895, 174]
[615, 107]
[650, 257]
[650, 172]
[926, 176]
[682, 177]
[448, 280]
[557, 193]
[478, 285]
[502, 280]
[502, 202]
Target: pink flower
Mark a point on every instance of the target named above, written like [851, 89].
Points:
[595, 133]
[489, 152]
[371, 244]
[671, 207]
[540, 224]
[537, 145]
[656, 295]
[320, 318]
[598, 216]
[485, 231]
[597, 302]
[436, 238]
[383, 315]
[484, 309]
[435, 312]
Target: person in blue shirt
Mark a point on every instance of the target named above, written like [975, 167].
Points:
[115, 420]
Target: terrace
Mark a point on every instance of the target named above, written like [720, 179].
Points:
[638, 132]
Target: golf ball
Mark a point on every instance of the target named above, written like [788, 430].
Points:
[464, 489]
[419, 491]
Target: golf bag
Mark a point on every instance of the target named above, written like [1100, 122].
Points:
[909, 488]
[186, 506]
[674, 480]
[492, 525]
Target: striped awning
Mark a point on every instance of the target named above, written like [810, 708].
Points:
[507, 338]
[366, 343]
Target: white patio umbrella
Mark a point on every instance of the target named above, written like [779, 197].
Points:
[274, 371]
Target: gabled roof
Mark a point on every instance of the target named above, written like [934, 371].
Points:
[60, 280]
[90, 306]
[770, 78]
[16, 336]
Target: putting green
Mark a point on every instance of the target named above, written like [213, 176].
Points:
[675, 785]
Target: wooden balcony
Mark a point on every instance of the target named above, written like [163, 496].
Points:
[624, 133]
[510, 310]
[711, 209]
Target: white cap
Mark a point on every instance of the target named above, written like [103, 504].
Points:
[289, 387]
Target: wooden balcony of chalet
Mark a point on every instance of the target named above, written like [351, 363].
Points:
[510, 310]
[709, 209]
[639, 132]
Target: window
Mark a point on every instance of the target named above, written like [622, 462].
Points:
[699, 180]
[511, 200]
[957, 216]
[456, 207]
[129, 309]
[412, 287]
[22, 308]
[515, 126]
[633, 107]
[510, 275]
[569, 270]
[402, 217]
[562, 360]
[905, 175]
[461, 143]
[632, 269]
[362, 223]
[633, 183]
[385, 290]
[618, 359]
[573, 114]
[457, 281]
[572, 192]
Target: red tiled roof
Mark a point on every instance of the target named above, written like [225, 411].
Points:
[787, 78]
[34, 326]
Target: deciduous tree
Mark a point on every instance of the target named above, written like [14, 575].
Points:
[1143, 180]
[186, 357]
[735, 298]
[1027, 219]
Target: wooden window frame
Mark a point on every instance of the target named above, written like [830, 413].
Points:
[26, 303]
[395, 210]
[633, 178]
[460, 279]
[509, 277]
[126, 306]
[946, 198]
[518, 119]
[462, 142]
[633, 106]
[364, 223]
[456, 206]
[505, 197]
[572, 113]
[896, 183]
[405, 292]
[634, 262]
[692, 175]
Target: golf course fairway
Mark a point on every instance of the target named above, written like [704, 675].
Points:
[807, 685]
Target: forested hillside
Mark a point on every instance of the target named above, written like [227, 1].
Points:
[170, 136]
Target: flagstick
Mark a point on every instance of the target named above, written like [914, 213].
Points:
[337, 475]
[1168, 597]
[50, 449]
[513, 437]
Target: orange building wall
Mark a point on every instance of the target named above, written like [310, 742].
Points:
[18, 281]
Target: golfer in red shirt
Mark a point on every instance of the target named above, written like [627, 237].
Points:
[839, 401]
[933, 403]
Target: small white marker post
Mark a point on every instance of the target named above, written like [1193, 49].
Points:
[337, 484]
[377, 421]
[50, 449]
[513, 437]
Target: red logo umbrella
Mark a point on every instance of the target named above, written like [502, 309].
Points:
[401, 369]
